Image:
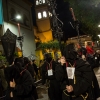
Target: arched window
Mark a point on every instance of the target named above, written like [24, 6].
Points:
[44, 14]
[37, 2]
[39, 15]
[43, 1]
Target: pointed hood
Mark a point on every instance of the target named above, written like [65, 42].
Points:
[70, 53]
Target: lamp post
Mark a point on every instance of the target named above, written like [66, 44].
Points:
[19, 38]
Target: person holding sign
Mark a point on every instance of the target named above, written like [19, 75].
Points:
[75, 76]
[48, 78]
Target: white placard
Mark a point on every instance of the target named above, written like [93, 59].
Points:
[50, 72]
[70, 72]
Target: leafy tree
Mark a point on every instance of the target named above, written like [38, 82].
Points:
[88, 14]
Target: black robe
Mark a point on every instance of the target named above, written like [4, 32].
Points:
[54, 91]
[23, 88]
[83, 80]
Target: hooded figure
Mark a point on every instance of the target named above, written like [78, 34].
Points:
[48, 77]
[20, 82]
[28, 65]
[75, 76]
[70, 52]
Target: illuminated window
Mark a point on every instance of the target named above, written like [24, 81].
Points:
[39, 15]
[44, 14]
[40, 1]
[43, 1]
[37, 2]
[50, 14]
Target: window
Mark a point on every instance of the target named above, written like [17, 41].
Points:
[43, 1]
[40, 1]
[37, 2]
[39, 15]
[44, 14]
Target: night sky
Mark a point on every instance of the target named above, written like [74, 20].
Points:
[64, 15]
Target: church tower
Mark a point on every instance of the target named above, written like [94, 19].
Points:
[43, 22]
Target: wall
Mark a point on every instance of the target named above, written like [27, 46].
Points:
[43, 31]
[29, 41]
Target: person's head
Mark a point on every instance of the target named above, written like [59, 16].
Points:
[48, 57]
[13, 72]
[19, 63]
[62, 60]
[89, 44]
[26, 61]
[34, 61]
[70, 52]
[19, 60]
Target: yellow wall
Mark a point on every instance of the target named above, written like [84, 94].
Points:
[43, 25]
[39, 54]
[43, 31]
[45, 36]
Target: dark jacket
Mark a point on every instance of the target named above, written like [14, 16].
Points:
[83, 79]
[35, 68]
[23, 87]
[3, 80]
[54, 91]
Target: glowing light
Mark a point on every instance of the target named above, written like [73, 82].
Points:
[18, 17]
[99, 35]
[98, 25]
[44, 14]
[39, 15]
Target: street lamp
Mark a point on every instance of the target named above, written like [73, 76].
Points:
[18, 17]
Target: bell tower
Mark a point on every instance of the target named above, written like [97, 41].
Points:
[42, 20]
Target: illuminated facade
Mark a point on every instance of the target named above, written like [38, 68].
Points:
[43, 30]
[43, 22]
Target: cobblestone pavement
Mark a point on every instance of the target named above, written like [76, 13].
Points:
[42, 90]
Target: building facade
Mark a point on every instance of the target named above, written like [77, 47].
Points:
[20, 27]
[42, 32]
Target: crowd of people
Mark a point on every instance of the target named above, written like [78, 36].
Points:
[70, 77]
[19, 78]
